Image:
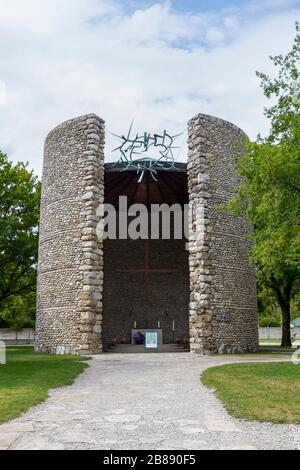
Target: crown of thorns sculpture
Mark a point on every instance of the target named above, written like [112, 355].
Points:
[131, 147]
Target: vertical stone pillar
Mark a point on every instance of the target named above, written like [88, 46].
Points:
[70, 271]
[223, 307]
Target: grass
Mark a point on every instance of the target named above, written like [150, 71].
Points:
[268, 392]
[27, 377]
[274, 350]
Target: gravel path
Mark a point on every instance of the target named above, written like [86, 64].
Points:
[144, 401]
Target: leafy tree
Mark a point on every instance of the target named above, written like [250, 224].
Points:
[271, 321]
[295, 306]
[285, 88]
[269, 194]
[19, 214]
[268, 309]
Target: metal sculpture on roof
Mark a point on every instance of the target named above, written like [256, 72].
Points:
[154, 152]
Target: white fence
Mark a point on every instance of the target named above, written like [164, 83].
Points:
[9, 336]
[26, 336]
[276, 332]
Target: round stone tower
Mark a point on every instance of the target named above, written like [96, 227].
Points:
[223, 307]
[69, 307]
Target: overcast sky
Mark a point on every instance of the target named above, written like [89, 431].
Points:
[157, 62]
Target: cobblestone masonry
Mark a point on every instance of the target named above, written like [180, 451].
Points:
[70, 275]
[223, 307]
[70, 279]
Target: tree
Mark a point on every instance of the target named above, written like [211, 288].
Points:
[285, 89]
[268, 308]
[19, 214]
[269, 194]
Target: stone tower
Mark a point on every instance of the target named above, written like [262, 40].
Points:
[222, 310]
[70, 278]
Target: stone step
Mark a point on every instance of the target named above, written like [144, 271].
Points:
[130, 348]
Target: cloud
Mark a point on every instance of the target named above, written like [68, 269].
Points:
[261, 5]
[2, 93]
[156, 65]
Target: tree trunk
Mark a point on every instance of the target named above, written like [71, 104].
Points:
[284, 300]
[286, 324]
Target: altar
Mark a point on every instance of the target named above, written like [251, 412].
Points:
[152, 330]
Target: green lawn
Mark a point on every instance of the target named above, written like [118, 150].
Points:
[261, 392]
[27, 377]
[276, 350]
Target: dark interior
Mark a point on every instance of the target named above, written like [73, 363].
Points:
[132, 295]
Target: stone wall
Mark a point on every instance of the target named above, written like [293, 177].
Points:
[70, 272]
[124, 293]
[223, 305]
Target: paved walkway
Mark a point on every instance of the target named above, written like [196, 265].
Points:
[142, 401]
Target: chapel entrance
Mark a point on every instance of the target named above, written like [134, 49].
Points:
[146, 282]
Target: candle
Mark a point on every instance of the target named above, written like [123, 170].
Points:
[135, 325]
[173, 325]
[158, 325]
